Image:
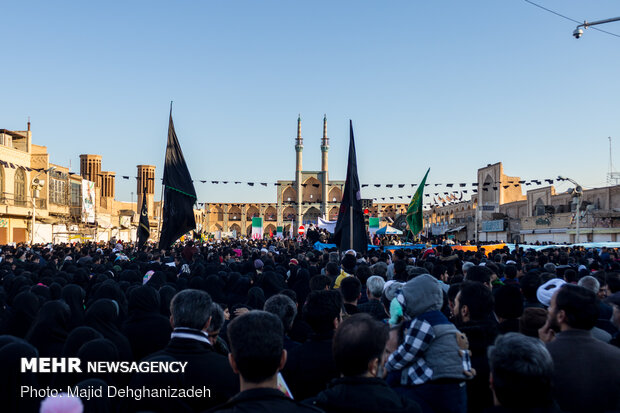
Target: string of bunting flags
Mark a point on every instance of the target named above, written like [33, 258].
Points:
[487, 185]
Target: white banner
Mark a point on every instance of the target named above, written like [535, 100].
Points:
[88, 201]
[330, 226]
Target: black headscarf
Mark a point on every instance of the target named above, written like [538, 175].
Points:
[147, 330]
[272, 283]
[12, 379]
[300, 283]
[22, 314]
[166, 293]
[214, 285]
[256, 298]
[77, 338]
[50, 329]
[74, 296]
[98, 350]
[42, 292]
[102, 315]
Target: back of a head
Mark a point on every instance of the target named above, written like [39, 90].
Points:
[375, 286]
[521, 368]
[590, 283]
[479, 274]
[191, 309]
[529, 285]
[284, 308]
[570, 276]
[579, 304]
[510, 272]
[478, 299]
[613, 281]
[350, 288]
[331, 269]
[508, 302]
[359, 340]
[532, 319]
[321, 308]
[256, 342]
[549, 267]
[217, 318]
[320, 282]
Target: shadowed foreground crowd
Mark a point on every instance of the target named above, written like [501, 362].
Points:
[274, 327]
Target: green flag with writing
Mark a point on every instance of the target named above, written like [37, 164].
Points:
[414, 210]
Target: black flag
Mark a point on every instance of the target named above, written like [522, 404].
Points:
[350, 232]
[143, 227]
[179, 193]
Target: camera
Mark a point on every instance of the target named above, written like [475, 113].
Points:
[577, 33]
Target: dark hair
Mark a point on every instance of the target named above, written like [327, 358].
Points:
[350, 288]
[510, 271]
[358, 340]
[508, 302]
[332, 269]
[479, 274]
[400, 270]
[522, 369]
[363, 273]
[256, 342]
[283, 307]
[478, 299]
[191, 308]
[579, 305]
[529, 285]
[613, 281]
[217, 318]
[320, 282]
[321, 308]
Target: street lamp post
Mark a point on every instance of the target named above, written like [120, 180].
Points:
[36, 185]
[577, 192]
[578, 32]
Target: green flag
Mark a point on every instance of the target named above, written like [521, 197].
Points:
[414, 210]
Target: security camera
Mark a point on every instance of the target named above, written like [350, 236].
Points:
[577, 33]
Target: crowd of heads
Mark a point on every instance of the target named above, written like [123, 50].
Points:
[260, 302]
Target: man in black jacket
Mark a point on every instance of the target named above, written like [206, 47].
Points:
[586, 373]
[311, 367]
[190, 318]
[257, 356]
[358, 349]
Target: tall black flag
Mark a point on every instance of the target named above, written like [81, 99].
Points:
[143, 227]
[179, 192]
[350, 232]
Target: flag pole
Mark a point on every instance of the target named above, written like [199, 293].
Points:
[161, 198]
[351, 226]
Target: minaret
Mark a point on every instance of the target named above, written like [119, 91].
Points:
[299, 147]
[324, 171]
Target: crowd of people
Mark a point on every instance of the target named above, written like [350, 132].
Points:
[276, 326]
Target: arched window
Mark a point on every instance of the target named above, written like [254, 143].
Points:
[20, 188]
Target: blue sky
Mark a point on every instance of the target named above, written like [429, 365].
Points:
[451, 85]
